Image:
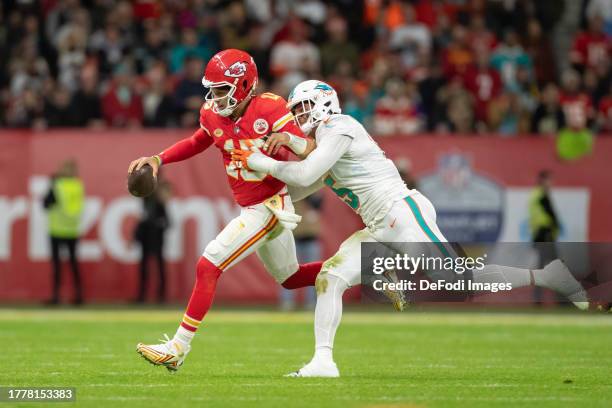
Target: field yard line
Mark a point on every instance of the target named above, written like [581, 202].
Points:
[391, 318]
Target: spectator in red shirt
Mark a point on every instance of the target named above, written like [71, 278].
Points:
[591, 47]
[121, 105]
[296, 53]
[430, 11]
[484, 83]
[577, 106]
[458, 56]
[397, 113]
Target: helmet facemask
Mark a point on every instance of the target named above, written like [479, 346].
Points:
[308, 112]
[223, 103]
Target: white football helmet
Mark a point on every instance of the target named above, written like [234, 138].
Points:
[318, 100]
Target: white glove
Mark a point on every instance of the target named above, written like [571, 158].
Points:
[260, 162]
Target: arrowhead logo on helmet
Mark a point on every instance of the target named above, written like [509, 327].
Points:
[231, 77]
[236, 70]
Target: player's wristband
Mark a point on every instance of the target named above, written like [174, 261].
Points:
[159, 159]
[297, 144]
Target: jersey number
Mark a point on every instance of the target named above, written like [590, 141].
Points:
[246, 175]
[345, 194]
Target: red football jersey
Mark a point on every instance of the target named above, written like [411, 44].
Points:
[591, 49]
[266, 113]
[484, 85]
[577, 109]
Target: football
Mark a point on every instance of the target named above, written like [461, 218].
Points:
[141, 182]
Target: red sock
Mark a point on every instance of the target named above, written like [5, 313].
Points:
[203, 293]
[305, 276]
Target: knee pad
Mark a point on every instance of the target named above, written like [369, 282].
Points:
[214, 251]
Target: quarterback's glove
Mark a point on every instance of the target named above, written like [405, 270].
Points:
[240, 158]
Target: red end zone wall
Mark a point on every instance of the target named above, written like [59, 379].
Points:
[202, 204]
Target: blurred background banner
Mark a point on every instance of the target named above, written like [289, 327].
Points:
[480, 187]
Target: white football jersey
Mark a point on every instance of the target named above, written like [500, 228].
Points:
[363, 177]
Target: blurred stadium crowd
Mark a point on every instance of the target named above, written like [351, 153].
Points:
[463, 66]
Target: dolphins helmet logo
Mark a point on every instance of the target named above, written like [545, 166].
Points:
[324, 88]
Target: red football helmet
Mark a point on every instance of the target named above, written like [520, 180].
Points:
[231, 77]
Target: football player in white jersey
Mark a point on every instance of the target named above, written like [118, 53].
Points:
[351, 163]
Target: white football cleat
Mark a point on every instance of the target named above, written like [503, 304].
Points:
[317, 368]
[169, 353]
[561, 280]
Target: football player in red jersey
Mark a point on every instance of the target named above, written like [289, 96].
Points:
[234, 117]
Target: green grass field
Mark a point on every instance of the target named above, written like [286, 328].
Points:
[417, 359]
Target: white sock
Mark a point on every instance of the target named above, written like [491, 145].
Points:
[328, 313]
[184, 336]
[324, 353]
[556, 276]
[518, 277]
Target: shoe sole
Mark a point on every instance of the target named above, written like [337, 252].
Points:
[171, 367]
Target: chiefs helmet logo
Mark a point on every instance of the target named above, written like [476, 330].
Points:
[236, 70]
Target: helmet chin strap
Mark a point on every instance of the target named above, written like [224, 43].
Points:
[243, 103]
[225, 112]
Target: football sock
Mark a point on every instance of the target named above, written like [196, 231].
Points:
[202, 296]
[328, 313]
[183, 335]
[324, 353]
[554, 276]
[518, 277]
[306, 275]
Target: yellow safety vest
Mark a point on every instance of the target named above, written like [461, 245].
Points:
[538, 217]
[65, 214]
